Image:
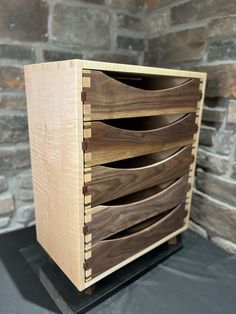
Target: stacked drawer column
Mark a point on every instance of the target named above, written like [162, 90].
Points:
[105, 100]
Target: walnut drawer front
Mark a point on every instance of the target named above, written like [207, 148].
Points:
[138, 147]
[114, 250]
[109, 95]
[109, 219]
[108, 144]
[105, 183]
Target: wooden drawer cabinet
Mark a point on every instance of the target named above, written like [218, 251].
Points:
[113, 150]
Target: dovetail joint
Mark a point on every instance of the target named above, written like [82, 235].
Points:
[83, 96]
[85, 189]
[84, 145]
[86, 265]
[85, 229]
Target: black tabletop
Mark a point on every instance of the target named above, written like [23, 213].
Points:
[200, 278]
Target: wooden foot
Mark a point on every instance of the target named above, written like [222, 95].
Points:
[172, 241]
[90, 290]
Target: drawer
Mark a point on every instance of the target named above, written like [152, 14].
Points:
[107, 143]
[135, 208]
[114, 250]
[109, 95]
[105, 183]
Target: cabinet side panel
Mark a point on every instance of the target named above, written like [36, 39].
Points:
[57, 162]
[196, 137]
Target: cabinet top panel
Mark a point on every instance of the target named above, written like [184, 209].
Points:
[107, 66]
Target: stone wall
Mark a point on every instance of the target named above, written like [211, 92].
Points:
[191, 34]
[200, 35]
[47, 30]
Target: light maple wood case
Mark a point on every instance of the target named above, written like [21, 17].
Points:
[113, 151]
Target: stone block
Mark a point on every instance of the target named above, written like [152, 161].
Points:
[17, 52]
[186, 45]
[222, 50]
[220, 80]
[151, 58]
[4, 222]
[224, 142]
[11, 78]
[207, 135]
[13, 127]
[93, 1]
[218, 187]
[6, 203]
[216, 103]
[224, 26]
[198, 229]
[231, 117]
[224, 244]
[233, 174]
[26, 195]
[85, 27]
[195, 10]
[24, 19]
[14, 157]
[25, 180]
[157, 4]
[115, 57]
[58, 55]
[130, 43]
[130, 22]
[3, 183]
[130, 5]
[157, 22]
[215, 115]
[212, 162]
[25, 214]
[214, 216]
[9, 101]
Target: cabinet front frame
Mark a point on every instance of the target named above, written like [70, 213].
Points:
[93, 65]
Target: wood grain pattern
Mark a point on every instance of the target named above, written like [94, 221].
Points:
[56, 131]
[56, 113]
[103, 217]
[88, 65]
[107, 253]
[109, 144]
[195, 147]
[110, 98]
[111, 183]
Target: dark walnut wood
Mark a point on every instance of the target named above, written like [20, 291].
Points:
[109, 144]
[108, 253]
[108, 220]
[111, 183]
[110, 98]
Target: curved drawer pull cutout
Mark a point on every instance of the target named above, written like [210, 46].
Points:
[107, 253]
[144, 123]
[109, 144]
[110, 98]
[180, 119]
[125, 181]
[141, 227]
[139, 196]
[128, 214]
[143, 161]
[146, 82]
